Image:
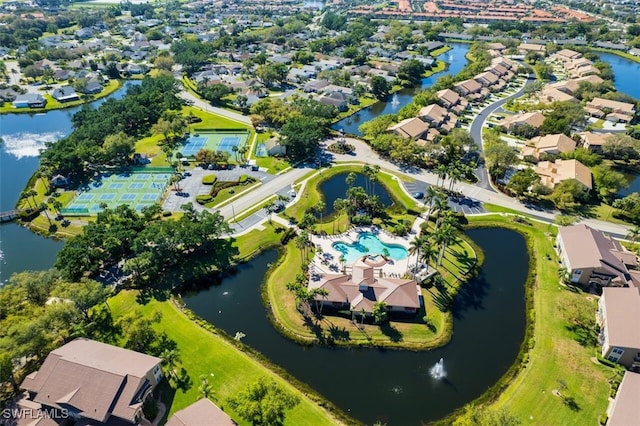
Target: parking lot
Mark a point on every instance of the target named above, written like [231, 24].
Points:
[463, 204]
[191, 186]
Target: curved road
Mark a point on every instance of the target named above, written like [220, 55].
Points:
[478, 123]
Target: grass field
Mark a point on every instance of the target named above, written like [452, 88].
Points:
[204, 353]
[556, 361]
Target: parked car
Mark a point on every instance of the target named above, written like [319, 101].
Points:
[186, 174]
[418, 195]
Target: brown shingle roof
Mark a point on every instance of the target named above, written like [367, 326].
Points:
[97, 379]
[622, 307]
[200, 413]
[626, 410]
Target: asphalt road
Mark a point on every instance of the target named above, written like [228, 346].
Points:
[476, 130]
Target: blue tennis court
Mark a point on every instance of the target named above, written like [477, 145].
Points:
[107, 197]
[193, 145]
[136, 185]
[150, 197]
[127, 197]
[227, 143]
[142, 176]
[116, 185]
[85, 197]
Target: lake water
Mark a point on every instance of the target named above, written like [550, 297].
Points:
[23, 136]
[393, 386]
[626, 73]
[336, 187]
[456, 60]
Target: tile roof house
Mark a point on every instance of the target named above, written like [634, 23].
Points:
[624, 410]
[451, 100]
[552, 174]
[618, 318]
[594, 141]
[533, 119]
[30, 100]
[201, 412]
[591, 257]
[551, 94]
[468, 87]
[433, 114]
[410, 128]
[549, 144]
[361, 289]
[622, 111]
[565, 55]
[94, 381]
[487, 79]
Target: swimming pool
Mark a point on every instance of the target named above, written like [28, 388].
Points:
[368, 244]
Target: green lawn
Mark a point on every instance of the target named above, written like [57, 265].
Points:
[204, 353]
[556, 361]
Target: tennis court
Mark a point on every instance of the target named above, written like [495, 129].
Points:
[215, 140]
[138, 190]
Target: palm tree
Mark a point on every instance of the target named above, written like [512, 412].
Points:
[170, 357]
[444, 236]
[430, 196]
[235, 152]
[367, 171]
[323, 293]
[32, 193]
[243, 150]
[455, 173]
[416, 245]
[441, 171]
[351, 179]
[319, 208]
[429, 252]
[269, 207]
[205, 388]
[301, 243]
[44, 206]
[339, 206]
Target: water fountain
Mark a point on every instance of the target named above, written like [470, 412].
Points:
[394, 100]
[437, 371]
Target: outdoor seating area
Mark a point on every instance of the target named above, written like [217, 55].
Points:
[376, 246]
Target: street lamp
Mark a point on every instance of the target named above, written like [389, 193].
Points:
[234, 213]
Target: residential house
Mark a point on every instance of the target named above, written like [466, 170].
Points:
[410, 128]
[618, 319]
[315, 85]
[65, 94]
[615, 111]
[533, 119]
[624, 410]
[594, 141]
[566, 55]
[30, 100]
[550, 94]
[273, 147]
[487, 79]
[528, 47]
[201, 412]
[591, 257]
[548, 144]
[451, 100]
[363, 287]
[91, 88]
[8, 95]
[552, 173]
[498, 47]
[469, 88]
[337, 99]
[433, 114]
[96, 383]
[567, 86]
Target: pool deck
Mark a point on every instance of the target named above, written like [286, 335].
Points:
[327, 261]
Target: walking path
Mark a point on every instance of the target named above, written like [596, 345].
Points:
[205, 106]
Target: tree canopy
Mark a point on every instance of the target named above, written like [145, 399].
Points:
[263, 403]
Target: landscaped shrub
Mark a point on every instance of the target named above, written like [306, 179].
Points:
[243, 179]
[204, 198]
[166, 213]
[288, 235]
[209, 179]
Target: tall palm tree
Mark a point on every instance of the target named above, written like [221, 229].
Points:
[339, 206]
[269, 208]
[323, 293]
[319, 208]
[444, 236]
[430, 196]
[441, 171]
[429, 252]
[235, 152]
[351, 179]
[415, 247]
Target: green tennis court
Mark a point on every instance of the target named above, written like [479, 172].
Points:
[214, 140]
[137, 189]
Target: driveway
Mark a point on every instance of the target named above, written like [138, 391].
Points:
[205, 106]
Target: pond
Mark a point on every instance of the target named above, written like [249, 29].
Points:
[456, 60]
[23, 136]
[626, 73]
[336, 187]
[393, 386]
